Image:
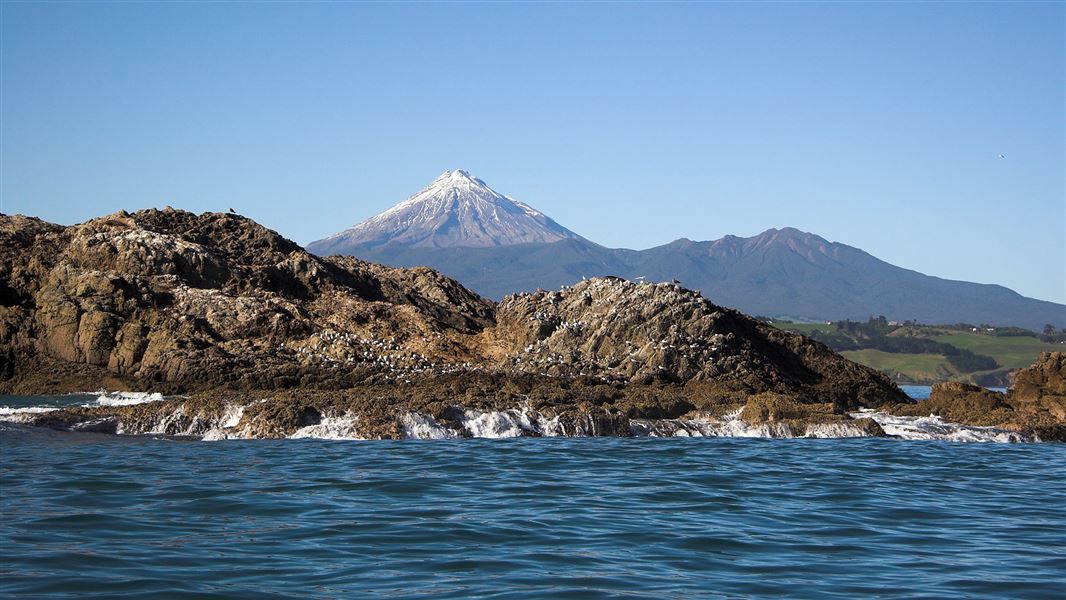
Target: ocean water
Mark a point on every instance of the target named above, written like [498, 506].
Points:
[97, 516]
[921, 392]
[88, 515]
[918, 392]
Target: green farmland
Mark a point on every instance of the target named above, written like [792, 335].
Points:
[1009, 352]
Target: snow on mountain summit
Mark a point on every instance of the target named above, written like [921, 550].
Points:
[455, 210]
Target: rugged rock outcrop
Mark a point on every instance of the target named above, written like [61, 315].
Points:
[1036, 404]
[1044, 379]
[175, 301]
[219, 307]
[662, 332]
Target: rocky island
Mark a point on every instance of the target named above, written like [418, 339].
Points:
[250, 336]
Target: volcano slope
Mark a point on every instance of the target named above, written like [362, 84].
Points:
[255, 337]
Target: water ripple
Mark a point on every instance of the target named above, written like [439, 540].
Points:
[98, 516]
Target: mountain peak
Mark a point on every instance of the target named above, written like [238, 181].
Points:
[785, 231]
[455, 210]
[457, 177]
[786, 234]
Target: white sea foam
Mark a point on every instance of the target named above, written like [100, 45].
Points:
[216, 435]
[842, 429]
[728, 425]
[7, 410]
[227, 426]
[24, 414]
[232, 416]
[523, 420]
[417, 426]
[911, 428]
[102, 399]
[731, 425]
[493, 424]
[935, 428]
[330, 428]
[515, 422]
[549, 427]
[170, 424]
[127, 398]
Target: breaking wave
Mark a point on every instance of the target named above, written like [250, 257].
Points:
[936, 428]
[331, 428]
[521, 421]
[417, 426]
[511, 423]
[127, 398]
[14, 405]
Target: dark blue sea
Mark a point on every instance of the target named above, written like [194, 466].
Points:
[96, 516]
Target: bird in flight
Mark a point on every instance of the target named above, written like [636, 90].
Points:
[1001, 156]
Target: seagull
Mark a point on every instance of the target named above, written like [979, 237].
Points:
[1002, 156]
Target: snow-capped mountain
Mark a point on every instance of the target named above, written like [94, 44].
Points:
[496, 246]
[456, 210]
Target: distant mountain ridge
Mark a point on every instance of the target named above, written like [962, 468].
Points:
[779, 272]
[786, 272]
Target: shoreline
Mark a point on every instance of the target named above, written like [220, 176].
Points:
[401, 413]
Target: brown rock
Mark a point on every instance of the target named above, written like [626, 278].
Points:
[170, 301]
[1035, 405]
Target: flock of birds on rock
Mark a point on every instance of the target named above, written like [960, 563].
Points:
[396, 359]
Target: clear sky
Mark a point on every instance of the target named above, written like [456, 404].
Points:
[873, 124]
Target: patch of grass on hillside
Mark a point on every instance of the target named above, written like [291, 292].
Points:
[915, 367]
[870, 344]
[1012, 352]
[1008, 352]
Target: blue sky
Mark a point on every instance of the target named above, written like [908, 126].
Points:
[873, 124]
